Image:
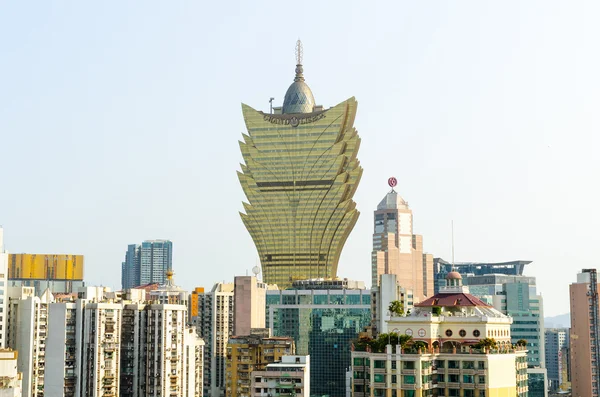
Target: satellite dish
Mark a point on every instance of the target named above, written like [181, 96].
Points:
[256, 270]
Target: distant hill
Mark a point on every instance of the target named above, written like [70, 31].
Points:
[560, 321]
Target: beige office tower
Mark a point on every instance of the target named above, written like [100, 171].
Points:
[250, 298]
[585, 338]
[396, 250]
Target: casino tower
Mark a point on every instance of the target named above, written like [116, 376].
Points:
[299, 175]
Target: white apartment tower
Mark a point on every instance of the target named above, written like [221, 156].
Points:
[101, 346]
[26, 333]
[3, 289]
[215, 325]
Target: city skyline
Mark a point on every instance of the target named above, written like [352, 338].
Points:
[484, 114]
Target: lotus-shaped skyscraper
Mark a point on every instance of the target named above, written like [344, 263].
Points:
[299, 175]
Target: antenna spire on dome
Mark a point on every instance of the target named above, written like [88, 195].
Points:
[299, 52]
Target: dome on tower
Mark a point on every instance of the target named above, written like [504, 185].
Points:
[453, 275]
[298, 98]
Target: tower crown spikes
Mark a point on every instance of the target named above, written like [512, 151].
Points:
[299, 56]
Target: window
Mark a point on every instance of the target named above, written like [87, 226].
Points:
[379, 364]
[440, 363]
[379, 378]
[454, 392]
[409, 379]
[453, 378]
[482, 379]
[453, 364]
[468, 379]
[394, 379]
[468, 365]
[358, 361]
[409, 365]
[481, 365]
[448, 332]
[476, 333]
[462, 333]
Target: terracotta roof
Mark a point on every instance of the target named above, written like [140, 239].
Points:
[449, 300]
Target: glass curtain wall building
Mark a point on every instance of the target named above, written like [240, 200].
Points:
[299, 175]
[323, 322]
[147, 263]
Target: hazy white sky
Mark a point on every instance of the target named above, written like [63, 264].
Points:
[119, 122]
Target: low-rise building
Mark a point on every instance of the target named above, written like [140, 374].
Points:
[452, 344]
[289, 377]
[10, 377]
[252, 353]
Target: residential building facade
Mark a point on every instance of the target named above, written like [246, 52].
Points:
[10, 377]
[3, 290]
[250, 299]
[214, 323]
[249, 353]
[585, 334]
[290, 376]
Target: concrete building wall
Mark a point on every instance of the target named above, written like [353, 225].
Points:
[581, 338]
[250, 300]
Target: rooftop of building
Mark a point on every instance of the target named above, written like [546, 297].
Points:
[327, 284]
[259, 340]
[515, 267]
[392, 201]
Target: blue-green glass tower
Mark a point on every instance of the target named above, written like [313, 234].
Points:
[323, 317]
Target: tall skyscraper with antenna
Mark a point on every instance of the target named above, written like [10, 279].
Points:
[299, 175]
[396, 250]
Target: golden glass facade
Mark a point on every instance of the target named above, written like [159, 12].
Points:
[45, 266]
[300, 174]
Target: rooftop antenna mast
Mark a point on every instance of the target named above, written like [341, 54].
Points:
[299, 52]
[453, 268]
[271, 105]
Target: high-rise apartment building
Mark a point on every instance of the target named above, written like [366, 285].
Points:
[60, 273]
[585, 334]
[3, 289]
[214, 323]
[323, 317]
[557, 358]
[99, 344]
[442, 357]
[396, 250]
[249, 353]
[290, 376]
[299, 175]
[146, 263]
[27, 331]
[517, 297]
